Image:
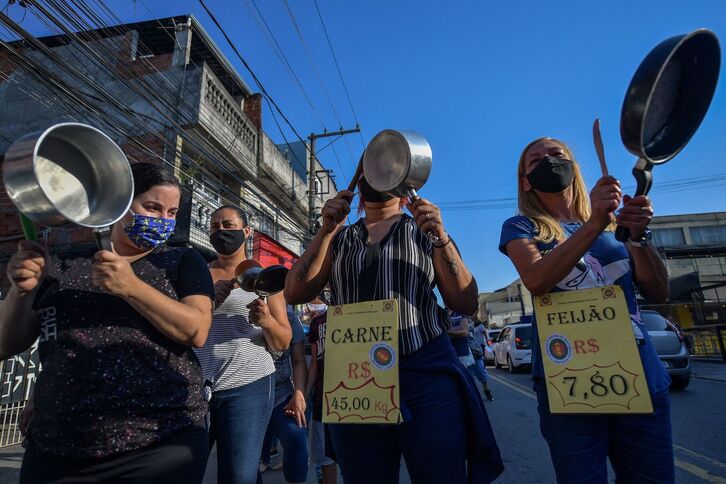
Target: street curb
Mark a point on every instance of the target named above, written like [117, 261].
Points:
[709, 379]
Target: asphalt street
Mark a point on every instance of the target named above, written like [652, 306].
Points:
[698, 417]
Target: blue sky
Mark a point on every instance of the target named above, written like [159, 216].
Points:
[479, 80]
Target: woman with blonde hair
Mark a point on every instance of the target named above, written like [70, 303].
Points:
[563, 240]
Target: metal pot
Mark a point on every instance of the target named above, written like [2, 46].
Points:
[666, 101]
[70, 173]
[397, 162]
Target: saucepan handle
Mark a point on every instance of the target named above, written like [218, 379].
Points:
[413, 196]
[103, 238]
[28, 228]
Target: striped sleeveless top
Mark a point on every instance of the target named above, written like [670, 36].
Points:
[235, 353]
[401, 267]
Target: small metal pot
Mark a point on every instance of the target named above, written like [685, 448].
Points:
[70, 173]
[397, 162]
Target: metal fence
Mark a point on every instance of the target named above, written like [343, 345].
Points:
[16, 387]
[708, 342]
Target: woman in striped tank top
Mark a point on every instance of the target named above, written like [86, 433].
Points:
[237, 360]
[387, 254]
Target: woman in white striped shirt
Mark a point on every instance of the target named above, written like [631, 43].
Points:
[236, 360]
[386, 255]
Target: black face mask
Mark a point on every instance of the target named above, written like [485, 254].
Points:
[371, 195]
[552, 175]
[227, 242]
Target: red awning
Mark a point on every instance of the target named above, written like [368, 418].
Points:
[269, 252]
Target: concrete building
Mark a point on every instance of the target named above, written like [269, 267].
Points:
[694, 249]
[505, 306]
[165, 93]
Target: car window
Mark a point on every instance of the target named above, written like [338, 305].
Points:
[654, 321]
[524, 334]
[492, 335]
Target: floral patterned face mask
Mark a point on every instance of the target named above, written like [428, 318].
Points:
[149, 232]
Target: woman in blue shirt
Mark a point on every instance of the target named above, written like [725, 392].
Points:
[563, 240]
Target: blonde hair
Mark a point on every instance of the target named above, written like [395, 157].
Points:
[547, 228]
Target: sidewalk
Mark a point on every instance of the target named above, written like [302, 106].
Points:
[709, 370]
[10, 460]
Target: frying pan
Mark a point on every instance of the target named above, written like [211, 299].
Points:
[69, 173]
[251, 277]
[666, 101]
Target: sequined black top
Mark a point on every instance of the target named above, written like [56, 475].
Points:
[110, 382]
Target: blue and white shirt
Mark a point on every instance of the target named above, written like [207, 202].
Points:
[606, 262]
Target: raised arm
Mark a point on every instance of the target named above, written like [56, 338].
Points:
[186, 321]
[19, 325]
[457, 285]
[271, 316]
[650, 272]
[540, 273]
[311, 271]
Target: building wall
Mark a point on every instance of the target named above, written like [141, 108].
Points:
[711, 268]
[194, 98]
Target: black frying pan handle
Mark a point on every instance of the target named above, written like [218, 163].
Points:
[643, 173]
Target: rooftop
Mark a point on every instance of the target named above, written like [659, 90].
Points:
[157, 37]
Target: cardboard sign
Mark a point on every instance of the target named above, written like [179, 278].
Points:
[590, 355]
[361, 364]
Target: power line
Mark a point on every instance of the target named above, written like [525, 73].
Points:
[320, 79]
[312, 62]
[88, 81]
[337, 66]
[249, 69]
[267, 31]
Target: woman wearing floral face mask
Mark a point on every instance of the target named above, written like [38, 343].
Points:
[120, 397]
[236, 359]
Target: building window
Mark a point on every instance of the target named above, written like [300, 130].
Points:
[714, 234]
[669, 237]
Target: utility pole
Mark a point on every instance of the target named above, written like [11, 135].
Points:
[312, 191]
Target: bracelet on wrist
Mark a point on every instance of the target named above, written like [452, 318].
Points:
[442, 244]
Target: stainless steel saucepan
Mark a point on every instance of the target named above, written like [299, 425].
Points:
[397, 163]
[70, 173]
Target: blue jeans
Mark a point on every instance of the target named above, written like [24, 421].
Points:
[446, 428]
[640, 447]
[478, 371]
[238, 419]
[294, 442]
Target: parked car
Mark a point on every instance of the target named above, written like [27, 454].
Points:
[513, 347]
[492, 335]
[670, 344]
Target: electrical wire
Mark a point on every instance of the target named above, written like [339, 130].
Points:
[131, 138]
[340, 74]
[320, 80]
[265, 28]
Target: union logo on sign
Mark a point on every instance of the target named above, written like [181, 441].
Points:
[558, 349]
